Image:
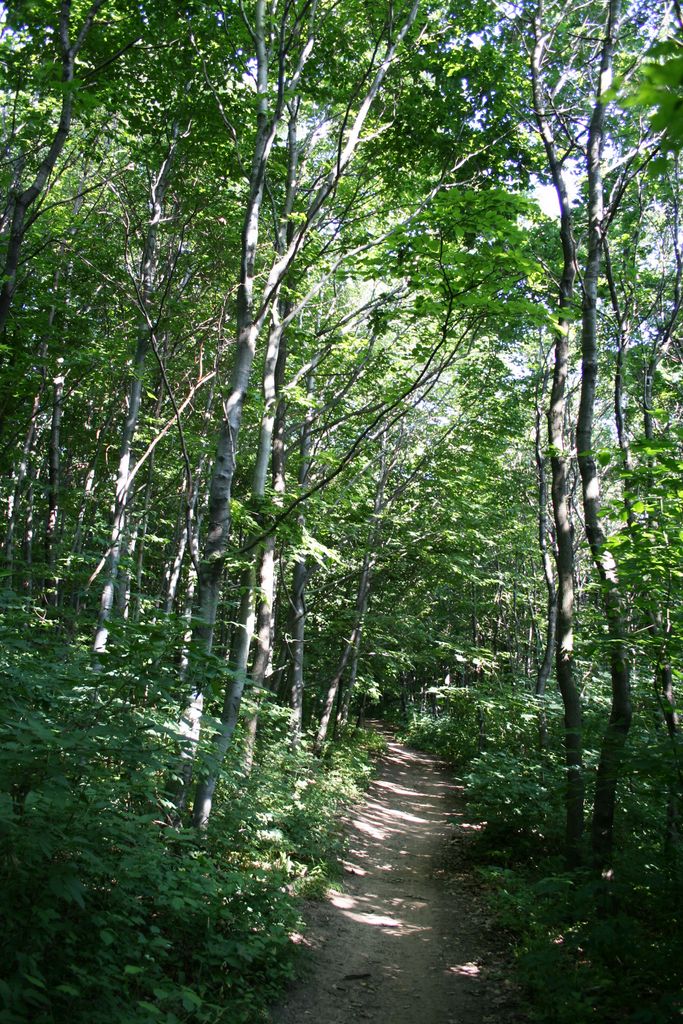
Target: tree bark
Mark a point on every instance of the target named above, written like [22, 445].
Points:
[265, 612]
[545, 663]
[564, 643]
[20, 474]
[611, 754]
[148, 274]
[248, 330]
[362, 599]
[333, 686]
[54, 466]
[239, 655]
[300, 579]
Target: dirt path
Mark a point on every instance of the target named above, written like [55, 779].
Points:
[407, 942]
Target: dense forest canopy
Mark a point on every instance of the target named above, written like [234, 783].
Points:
[340, 371]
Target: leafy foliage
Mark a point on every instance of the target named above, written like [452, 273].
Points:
[406, 405]
[110, 913]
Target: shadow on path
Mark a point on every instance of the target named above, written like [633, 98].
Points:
[402, 944]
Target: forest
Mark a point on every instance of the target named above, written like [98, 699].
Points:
[341, 378]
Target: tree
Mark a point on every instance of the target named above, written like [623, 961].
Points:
[315, 412]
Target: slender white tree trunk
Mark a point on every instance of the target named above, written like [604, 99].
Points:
[244, 630]
[362, 599]
[123, 489]
[299, 581]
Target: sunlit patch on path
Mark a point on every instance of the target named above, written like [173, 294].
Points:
[403, 943]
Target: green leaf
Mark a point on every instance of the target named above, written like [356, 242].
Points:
[191, 1001]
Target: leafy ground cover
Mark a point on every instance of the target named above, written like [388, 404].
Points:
[110, 913]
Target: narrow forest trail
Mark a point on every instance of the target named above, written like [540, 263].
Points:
[407, 941]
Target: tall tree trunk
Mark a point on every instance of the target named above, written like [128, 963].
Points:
[53, 489]
[334, 683]
[297, 632]
[265, 611]
[299, 580]
[274, 419]
[20, 474]
[86, 500]
[174, 568]
[545, 663]
[564, 643]
[348, 690]
[371, 554]
[244, 631]
[611, 754]
[27, 546]
[248, 329]
[250, 320]
[123, 583]
[657, 620]
[188, 528]
[660, 626]
[362, 599]
[54, 458]
[122, 496]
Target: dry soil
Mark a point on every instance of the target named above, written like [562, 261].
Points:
[409, 940]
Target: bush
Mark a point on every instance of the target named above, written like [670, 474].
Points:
[111, 916]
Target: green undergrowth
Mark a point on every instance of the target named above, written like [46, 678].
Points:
[585, 949]
[588, 951]
[110, 914]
